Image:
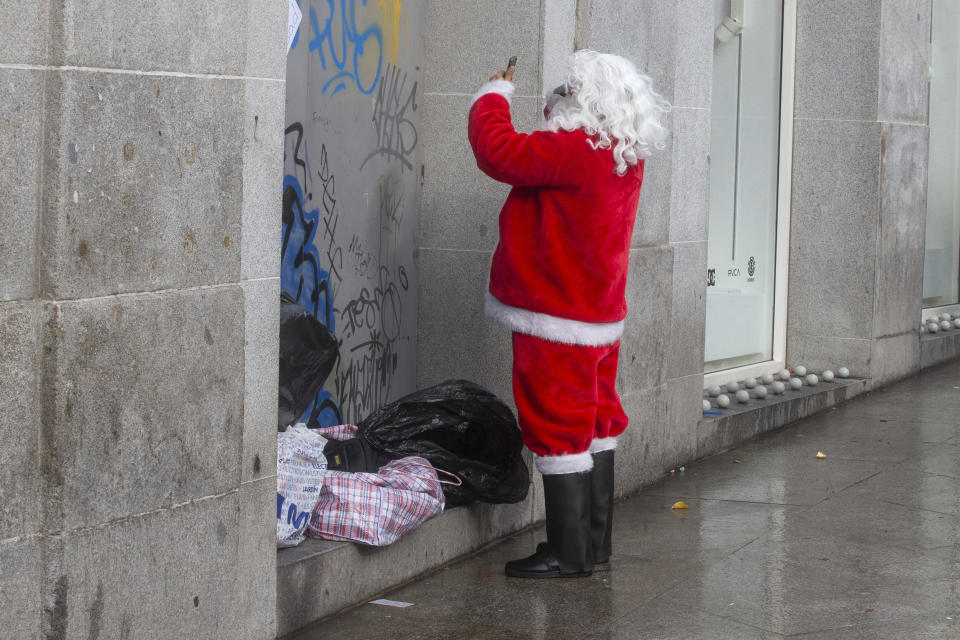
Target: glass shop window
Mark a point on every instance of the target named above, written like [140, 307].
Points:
[749, 184]
[941, 260]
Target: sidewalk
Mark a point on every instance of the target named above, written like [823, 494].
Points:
[862, 544]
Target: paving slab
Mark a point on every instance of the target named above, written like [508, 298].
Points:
[776, 543]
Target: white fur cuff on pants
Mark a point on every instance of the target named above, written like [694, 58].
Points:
[502, 87]
[571, 463]
[603, 444]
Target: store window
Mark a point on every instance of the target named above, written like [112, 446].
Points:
[749, 184]
[941, 261]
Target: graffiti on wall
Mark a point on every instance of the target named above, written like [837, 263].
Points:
[352, 52]
[300, 261]
[393, 118]
[350, 44]
[349, 196]
[376, 318]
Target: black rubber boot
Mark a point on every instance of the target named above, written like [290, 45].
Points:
[568, 552]
[601, 509]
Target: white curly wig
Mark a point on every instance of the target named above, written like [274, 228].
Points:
[613, 103]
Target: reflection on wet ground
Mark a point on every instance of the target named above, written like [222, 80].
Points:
[776, 543]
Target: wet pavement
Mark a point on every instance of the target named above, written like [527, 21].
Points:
[864, 543]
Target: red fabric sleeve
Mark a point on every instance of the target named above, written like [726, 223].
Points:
[519, 159]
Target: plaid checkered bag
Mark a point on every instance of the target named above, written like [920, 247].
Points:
[376, 508]
[338, 432]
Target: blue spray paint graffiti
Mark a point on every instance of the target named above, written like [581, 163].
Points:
[301, 275]
[300, 270]
[355, 46]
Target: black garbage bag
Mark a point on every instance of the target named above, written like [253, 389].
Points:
[459, 427]
[308, 353]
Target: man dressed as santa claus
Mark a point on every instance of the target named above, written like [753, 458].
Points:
[558, 281]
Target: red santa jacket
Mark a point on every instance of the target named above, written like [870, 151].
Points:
[560, 269]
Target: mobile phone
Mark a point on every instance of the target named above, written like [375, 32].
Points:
[512, 62]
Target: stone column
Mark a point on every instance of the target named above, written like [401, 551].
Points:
[139, 258]
[661, 365]
[460, 205]
[465, 43]
[23, 52]
[859, 186]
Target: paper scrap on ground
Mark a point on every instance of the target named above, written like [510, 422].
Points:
[821, 455]
[392, 603]
[294, 15]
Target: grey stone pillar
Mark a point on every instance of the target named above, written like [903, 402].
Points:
[859, 186]
[22, 44]
[140, 208]
[661, 362]
[460, 205]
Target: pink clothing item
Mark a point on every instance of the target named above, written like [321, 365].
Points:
[377, 508]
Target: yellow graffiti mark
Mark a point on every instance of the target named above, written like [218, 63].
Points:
[392, 14]
[397, 10]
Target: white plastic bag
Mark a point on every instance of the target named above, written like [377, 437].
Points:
[300, 468]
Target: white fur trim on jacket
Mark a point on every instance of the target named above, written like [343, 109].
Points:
[603, 444]
[571, 463]
[503, 87]
[564, 330]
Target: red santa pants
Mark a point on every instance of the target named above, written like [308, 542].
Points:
[566, 395]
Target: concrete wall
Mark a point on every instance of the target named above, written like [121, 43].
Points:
[662, 362]
[139, 265]
[859, 186]
[352, 160]
[140, 203]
